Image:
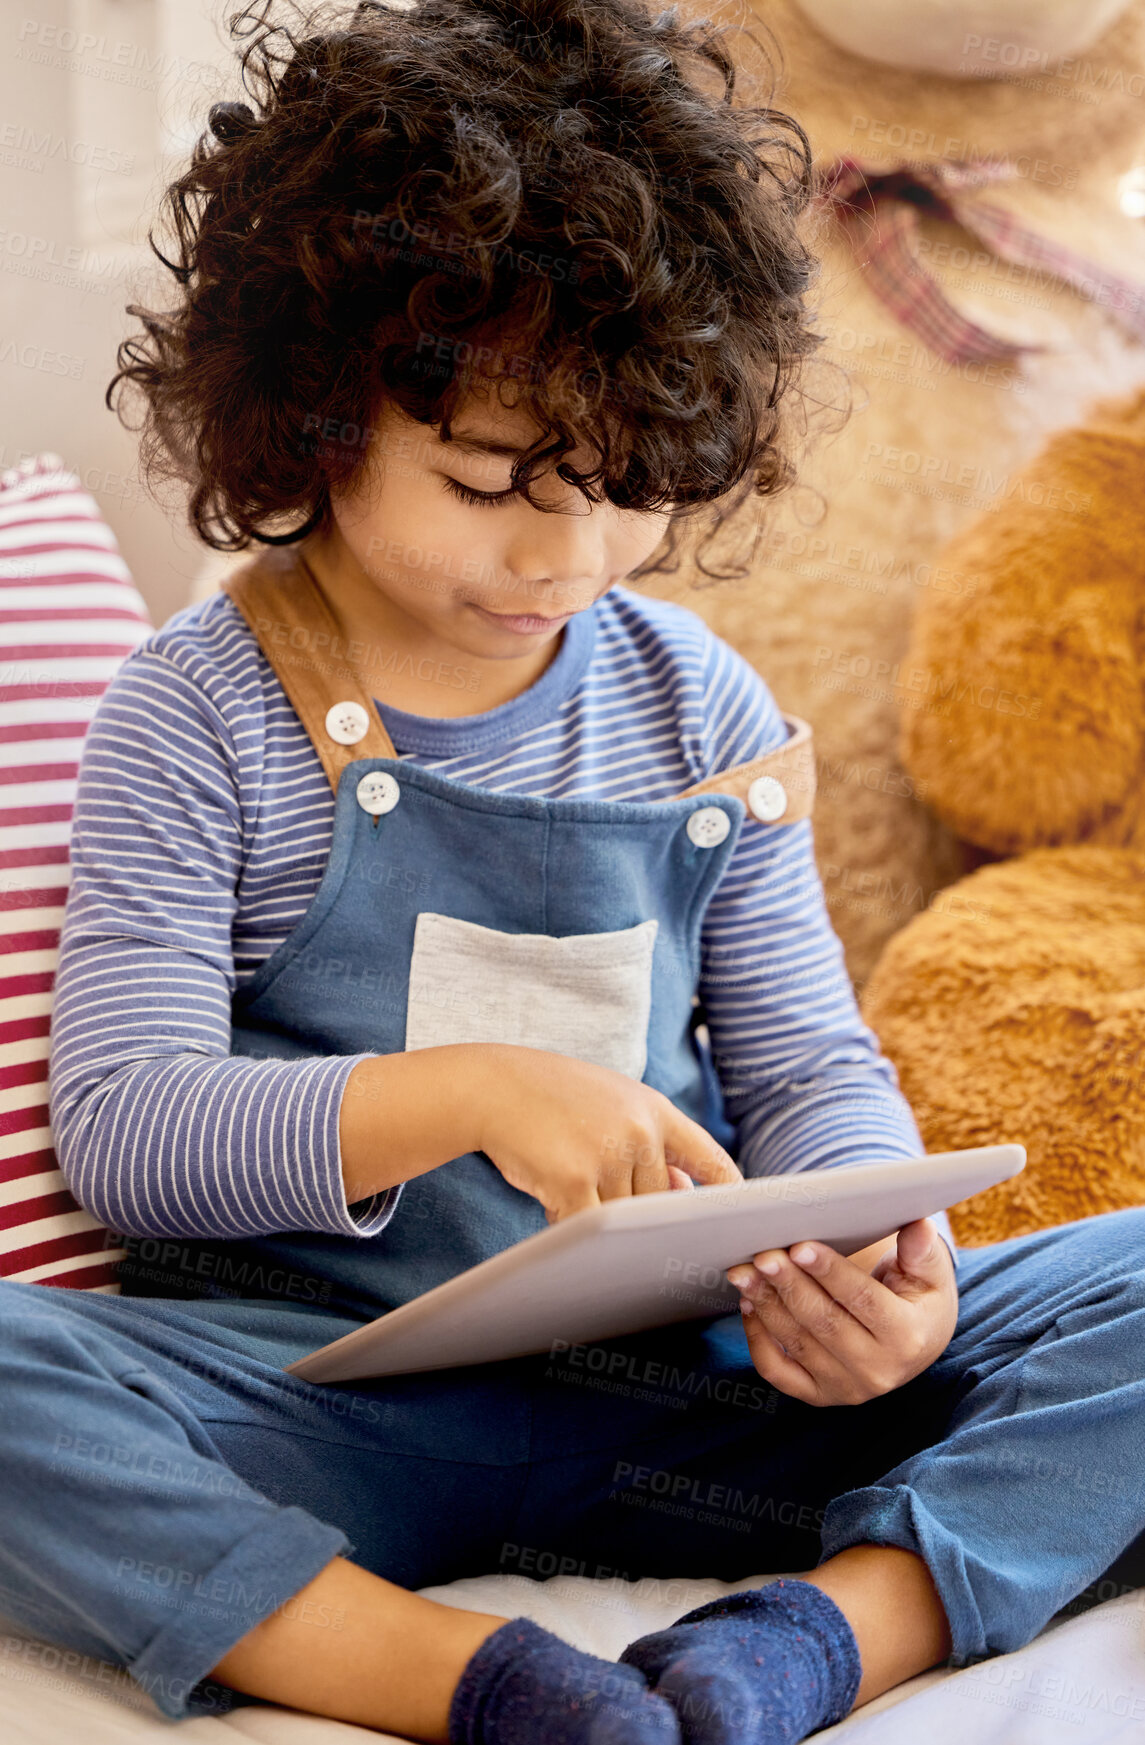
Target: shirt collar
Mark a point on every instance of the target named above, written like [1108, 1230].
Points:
[542, 700]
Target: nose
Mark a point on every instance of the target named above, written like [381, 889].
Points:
[558, 558]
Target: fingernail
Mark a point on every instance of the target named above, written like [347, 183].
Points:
[770, 1267]
[804, 1256]
[740, 1277]
[746, 1306]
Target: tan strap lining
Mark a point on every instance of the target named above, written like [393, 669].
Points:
[300, 633]
[792, 765]
[304, 641]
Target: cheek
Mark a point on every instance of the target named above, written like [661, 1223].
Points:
[634, 540]
[406, 534]
[424, 557]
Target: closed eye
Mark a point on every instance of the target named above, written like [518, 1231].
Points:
[468, 495]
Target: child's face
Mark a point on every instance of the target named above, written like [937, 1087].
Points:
[496, 579]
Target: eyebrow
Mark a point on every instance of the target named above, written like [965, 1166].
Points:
[483, 445]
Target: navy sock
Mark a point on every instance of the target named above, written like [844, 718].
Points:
[765, 1667]
[525, 1685]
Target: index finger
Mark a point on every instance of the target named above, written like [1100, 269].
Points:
[691, 1148]
[874, 1306]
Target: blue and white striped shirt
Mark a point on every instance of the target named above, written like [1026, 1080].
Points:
[202, 827]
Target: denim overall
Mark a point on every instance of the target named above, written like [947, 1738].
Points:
[614, 882]
[170, 1484]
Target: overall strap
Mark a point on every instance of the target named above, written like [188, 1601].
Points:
[778, 788]
[299, 631]
[315, 662]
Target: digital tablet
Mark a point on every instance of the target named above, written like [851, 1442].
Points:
[646, 1261]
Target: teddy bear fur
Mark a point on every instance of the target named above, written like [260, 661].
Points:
[1015, 1011]
[845, 560]
[1034, 733]
[1015, 1008]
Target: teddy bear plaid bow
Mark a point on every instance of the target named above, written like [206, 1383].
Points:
[879, 206]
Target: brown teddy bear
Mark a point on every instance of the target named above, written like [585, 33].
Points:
[847, 558]
[1014, 1008]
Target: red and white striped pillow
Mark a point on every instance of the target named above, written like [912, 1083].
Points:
[69, 614]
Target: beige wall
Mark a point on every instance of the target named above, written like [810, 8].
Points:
[97, 99]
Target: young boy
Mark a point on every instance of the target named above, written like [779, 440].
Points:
[398, 868]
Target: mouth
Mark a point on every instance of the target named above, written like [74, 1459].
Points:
[524, 624]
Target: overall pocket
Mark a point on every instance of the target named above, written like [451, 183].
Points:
[588, 995]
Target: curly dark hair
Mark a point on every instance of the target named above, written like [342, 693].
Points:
[560, 194]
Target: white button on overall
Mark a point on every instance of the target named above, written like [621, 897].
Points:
[378, 792]
[347, 723]
[767, 799]
[708, 826]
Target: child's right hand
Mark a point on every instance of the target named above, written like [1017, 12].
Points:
[573, 1134]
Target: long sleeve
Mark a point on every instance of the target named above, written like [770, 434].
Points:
[803, 1078]
[158, 1129]
[202, 828]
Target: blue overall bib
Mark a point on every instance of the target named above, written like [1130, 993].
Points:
[435, 877]
[169, 1484]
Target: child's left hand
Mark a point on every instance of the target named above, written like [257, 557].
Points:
[828, 1332]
